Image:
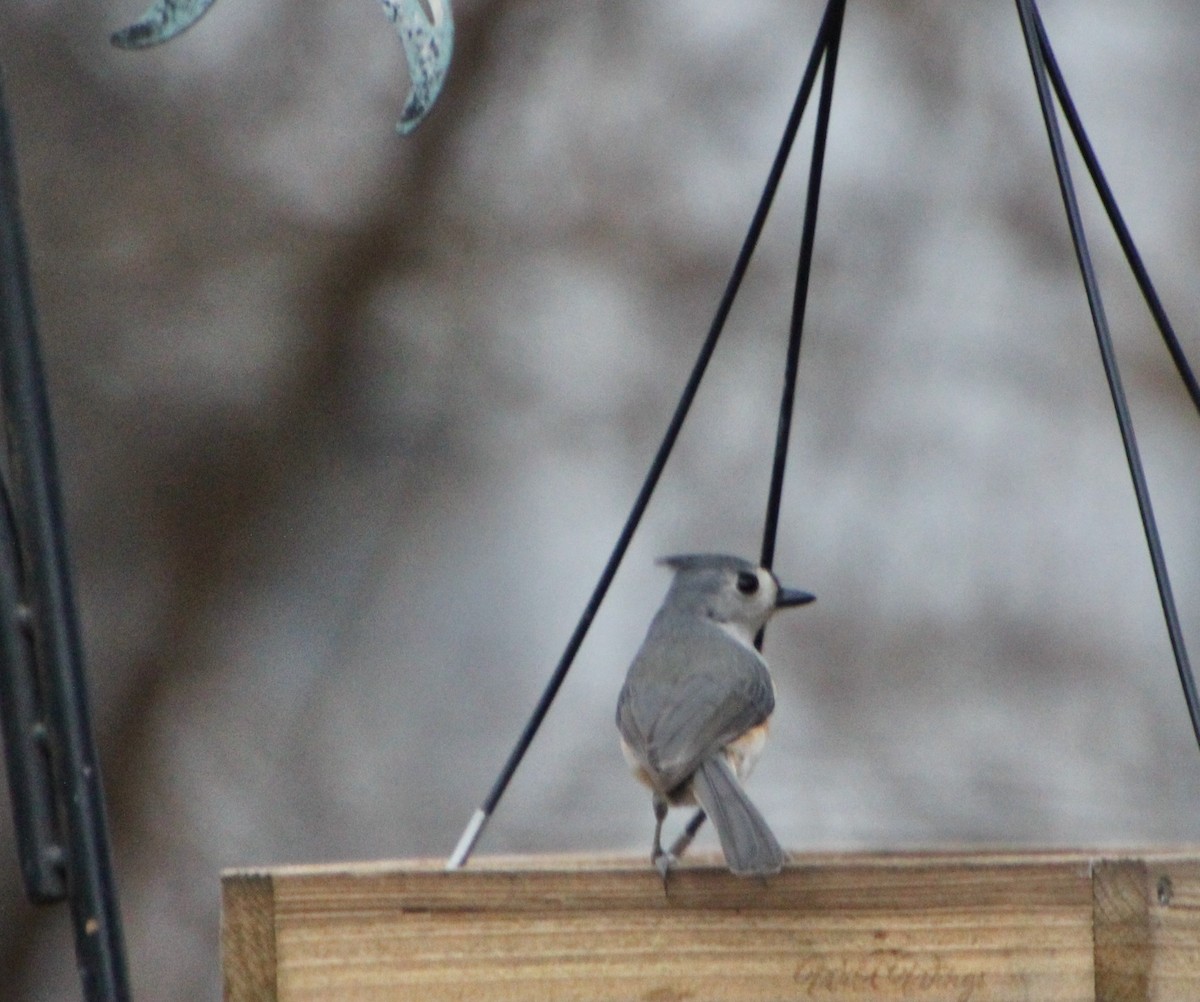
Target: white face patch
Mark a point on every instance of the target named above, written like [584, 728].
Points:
[758, 606]
[768, 588]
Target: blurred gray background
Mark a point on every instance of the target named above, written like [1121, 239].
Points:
[349, 423]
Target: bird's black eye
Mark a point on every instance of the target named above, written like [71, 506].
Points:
[747, 583]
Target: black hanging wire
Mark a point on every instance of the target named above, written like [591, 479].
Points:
[1114, 215]
[1038, 46]
[478, 821]
[800, 296]
[58, 798]
[795, 335]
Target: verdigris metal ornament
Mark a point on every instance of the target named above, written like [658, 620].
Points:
[426, 35]
[428, 45]
[163, 20]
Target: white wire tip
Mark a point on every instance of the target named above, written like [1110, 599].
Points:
[467, 840]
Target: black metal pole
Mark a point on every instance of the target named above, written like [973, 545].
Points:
[23, 716]
[49, 607]
[1027, 11]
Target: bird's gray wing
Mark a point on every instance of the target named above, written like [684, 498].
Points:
[691, 690]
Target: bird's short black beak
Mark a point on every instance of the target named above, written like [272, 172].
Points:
[788, 597]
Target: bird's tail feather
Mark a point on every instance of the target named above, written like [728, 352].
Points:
[749, 846]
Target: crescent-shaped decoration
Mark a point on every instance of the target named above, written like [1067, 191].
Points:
[428, 45]
[163, 20]
[427, 37]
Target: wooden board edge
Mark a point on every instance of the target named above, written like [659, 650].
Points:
[248, 958]
[562, 863]
[825, 886]
[1121, 930]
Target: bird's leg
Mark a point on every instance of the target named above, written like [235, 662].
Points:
[686, 836]
[662, 860]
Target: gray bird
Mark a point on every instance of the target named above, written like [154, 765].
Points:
[694, 709]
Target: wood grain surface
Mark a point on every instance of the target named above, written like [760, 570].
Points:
[920, 927]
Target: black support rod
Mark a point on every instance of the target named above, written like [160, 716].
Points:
[808, 237]
[835, 15]
[478, 821]
[1124, 237]
[1027, 10]
[47, 612]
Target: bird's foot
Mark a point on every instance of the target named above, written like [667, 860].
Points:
[663, 861]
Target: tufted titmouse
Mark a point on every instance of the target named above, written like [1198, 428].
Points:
[694, 709]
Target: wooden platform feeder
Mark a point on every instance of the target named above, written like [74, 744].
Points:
[918, 927]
